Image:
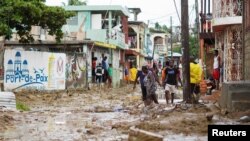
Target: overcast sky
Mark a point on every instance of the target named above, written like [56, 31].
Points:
[152, 10]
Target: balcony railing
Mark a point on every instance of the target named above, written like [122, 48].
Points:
[116, 37]
[227, 8]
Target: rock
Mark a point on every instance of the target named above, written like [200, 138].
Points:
[79, 130]
[209, 116]
[139, 135]
[244, 119]
[224, 112]
[90, 131]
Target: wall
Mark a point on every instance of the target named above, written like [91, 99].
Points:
[75, 71]
[116, 68]
[247, 40]
[80, 22]
[22, 70]
[235, 96]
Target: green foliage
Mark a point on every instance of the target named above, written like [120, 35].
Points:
[77, 2]
[22, 107]
[21, 15]
[165, 28]
[193, 46]
[157, 26]
[177, 49]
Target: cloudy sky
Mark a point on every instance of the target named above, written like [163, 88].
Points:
[152, 10]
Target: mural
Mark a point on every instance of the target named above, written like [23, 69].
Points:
[34, 70]
[75, 71]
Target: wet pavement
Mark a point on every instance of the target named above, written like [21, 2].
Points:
[103, 115]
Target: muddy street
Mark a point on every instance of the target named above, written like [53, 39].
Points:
[103, 114]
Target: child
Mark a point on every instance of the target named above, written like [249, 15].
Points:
[110, 74]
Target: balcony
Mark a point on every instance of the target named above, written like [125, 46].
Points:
[97, 35]
[226, 12]
[116, 38]
[161, 49]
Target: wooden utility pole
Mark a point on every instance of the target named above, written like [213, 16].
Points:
[185, 46]
[171, 38]
[197, 26]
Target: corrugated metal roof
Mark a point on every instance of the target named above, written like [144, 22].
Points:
[8, 100]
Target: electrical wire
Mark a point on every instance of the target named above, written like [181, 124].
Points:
[177, 11]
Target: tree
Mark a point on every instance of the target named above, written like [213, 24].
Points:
[21, 15]
[157, 26]
[165, 28]
[193, 46]
[77, 2]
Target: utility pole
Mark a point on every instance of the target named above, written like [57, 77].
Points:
[185, 45]
[197, 26]
[171, 37]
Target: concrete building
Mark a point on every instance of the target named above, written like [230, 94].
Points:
[136, 43]
[107, 26]
[160, 42]
[207, 38]
[227, 25]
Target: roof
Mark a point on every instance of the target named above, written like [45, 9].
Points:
[50, 42]
[137, 10]
[100, 8]
[136, 22]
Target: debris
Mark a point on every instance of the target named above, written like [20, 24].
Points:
[244, 119]
[224, 112]
[139, 135]
[79, 130]
[90, 131]
[209, 116]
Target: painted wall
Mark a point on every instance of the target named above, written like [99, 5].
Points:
[75, 71]
[79, 23]
[34, 70]
[116, 68]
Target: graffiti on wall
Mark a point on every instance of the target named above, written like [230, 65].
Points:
[75, 71]
[34, 70]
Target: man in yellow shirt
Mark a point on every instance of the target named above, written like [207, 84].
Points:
[195, 78]
[132, 74]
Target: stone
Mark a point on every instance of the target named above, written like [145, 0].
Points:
[79, 130]
[244, 119]
[142, 135]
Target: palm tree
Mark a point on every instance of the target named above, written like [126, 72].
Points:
[77, 2]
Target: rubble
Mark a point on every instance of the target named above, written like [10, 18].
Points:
[103, 114]
[139, 135]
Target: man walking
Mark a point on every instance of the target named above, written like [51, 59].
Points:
[171, 82]
[195, 79]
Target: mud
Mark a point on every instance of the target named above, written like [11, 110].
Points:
[102, 114]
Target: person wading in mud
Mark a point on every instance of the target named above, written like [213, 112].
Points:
[99, 71]
[150, 84]
[143, 88]
[163, 74]
[171, 82]
[195, 79]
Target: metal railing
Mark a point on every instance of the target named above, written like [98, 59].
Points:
[227, 8]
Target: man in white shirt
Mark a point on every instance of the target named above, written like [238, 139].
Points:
[216, 68]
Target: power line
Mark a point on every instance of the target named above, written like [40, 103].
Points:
[167, 15]
[177, 11]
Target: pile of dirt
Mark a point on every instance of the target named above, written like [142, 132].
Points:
[186, 126]
[189, 126]
[237, 115]
[6, 122]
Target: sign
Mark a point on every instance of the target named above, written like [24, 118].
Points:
[105, 45]
[34, 70]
